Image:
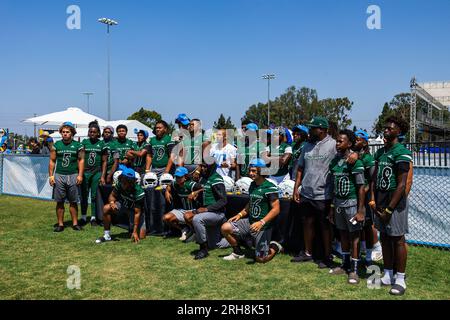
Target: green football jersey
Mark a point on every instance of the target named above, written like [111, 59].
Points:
[140, 161]
[245, 154]
[129, 199]
[208, 195]
[368, 162]
[161, 149]
[278, 152]
[123, 147]
[67, 157]
[344, 177]
[113, 153]
[183, 192]
[296, 151]
[94, 150]
[259, 204]
[386, 160]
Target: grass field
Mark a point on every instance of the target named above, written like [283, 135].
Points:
[34, 262]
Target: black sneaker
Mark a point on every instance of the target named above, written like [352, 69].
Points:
[82, 222]
[77, 228]
[201, 254]
[302, 257]
[58, 228]
[94, 223]
[325, 264]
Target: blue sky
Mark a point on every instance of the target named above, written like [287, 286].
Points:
[204, 57]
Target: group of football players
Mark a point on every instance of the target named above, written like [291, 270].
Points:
[342, 191]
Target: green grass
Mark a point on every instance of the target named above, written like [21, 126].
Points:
[34, 262]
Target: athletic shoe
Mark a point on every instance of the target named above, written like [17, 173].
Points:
[397, 290]
[201, 254]
[185, 233]
[325, 264]
[82, 222]
[302, 257]
[275, 245]
[77, 228]
[103, 239]
[337, 271]
[233, 256]
[94, 223]
[58, 228]
[189, 236]
[353, 278]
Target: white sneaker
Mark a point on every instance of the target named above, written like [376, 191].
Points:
[183, 235]
[103, 239]
[233, 256]
[377, 254]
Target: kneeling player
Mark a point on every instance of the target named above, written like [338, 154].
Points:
[349, 204]
[179, 193]
[129, 195]
[256, 219]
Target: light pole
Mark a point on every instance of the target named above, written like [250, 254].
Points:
[268, 77]
[109, 23]
[87, 94]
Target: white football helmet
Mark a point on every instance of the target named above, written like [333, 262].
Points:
[116, 176]
[229, 184]
[150, 180]
[166, 180]
[287, 188]
[243, 185]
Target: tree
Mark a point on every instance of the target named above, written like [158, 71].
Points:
[223, 124]
[147, 117]
[400, 105]
[297, 106]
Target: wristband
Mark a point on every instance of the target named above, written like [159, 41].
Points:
[331, 205]
[389, 210]
[240, 215]
[262, 221]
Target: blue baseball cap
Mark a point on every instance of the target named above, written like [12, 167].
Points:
[69, 124]
[183, 119]
[362, 134]
[181, 172]
[301, 128]
[257, 163]
[252, 127]
[144, 132]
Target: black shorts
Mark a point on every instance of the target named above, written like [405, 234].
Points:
[317, 208]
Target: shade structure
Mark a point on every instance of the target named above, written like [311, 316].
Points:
[77, 116]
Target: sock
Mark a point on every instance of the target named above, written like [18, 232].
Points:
[237, 250]
[363, 247]
[388, 276]
[400, 279]
[107, 233]
[345, 261]
[354, 266]
[369, 255]
[83, 217]
[308, 254]
[92, 218]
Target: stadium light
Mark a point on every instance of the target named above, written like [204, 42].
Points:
[268, 77]
[109, 23]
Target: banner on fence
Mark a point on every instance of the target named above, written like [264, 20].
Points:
[26, 176]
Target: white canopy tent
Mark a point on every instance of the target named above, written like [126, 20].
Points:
[77, 116]
[133, 127]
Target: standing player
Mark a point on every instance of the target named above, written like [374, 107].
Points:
[141, 152]
[95, 163]
[256, 220]
[67, 156]
[300, 133]
[280, 154]
[224, 154]
[313, 174]
[347, 211]
[123, 145]
[126, 194]
[159, 158]
[392, 164]
[249, 148]
[179, 194]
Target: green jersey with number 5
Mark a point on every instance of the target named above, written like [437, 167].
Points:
[260, 201]
[387, 159]
[94, 150]
[67, 157]
[344, 177]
